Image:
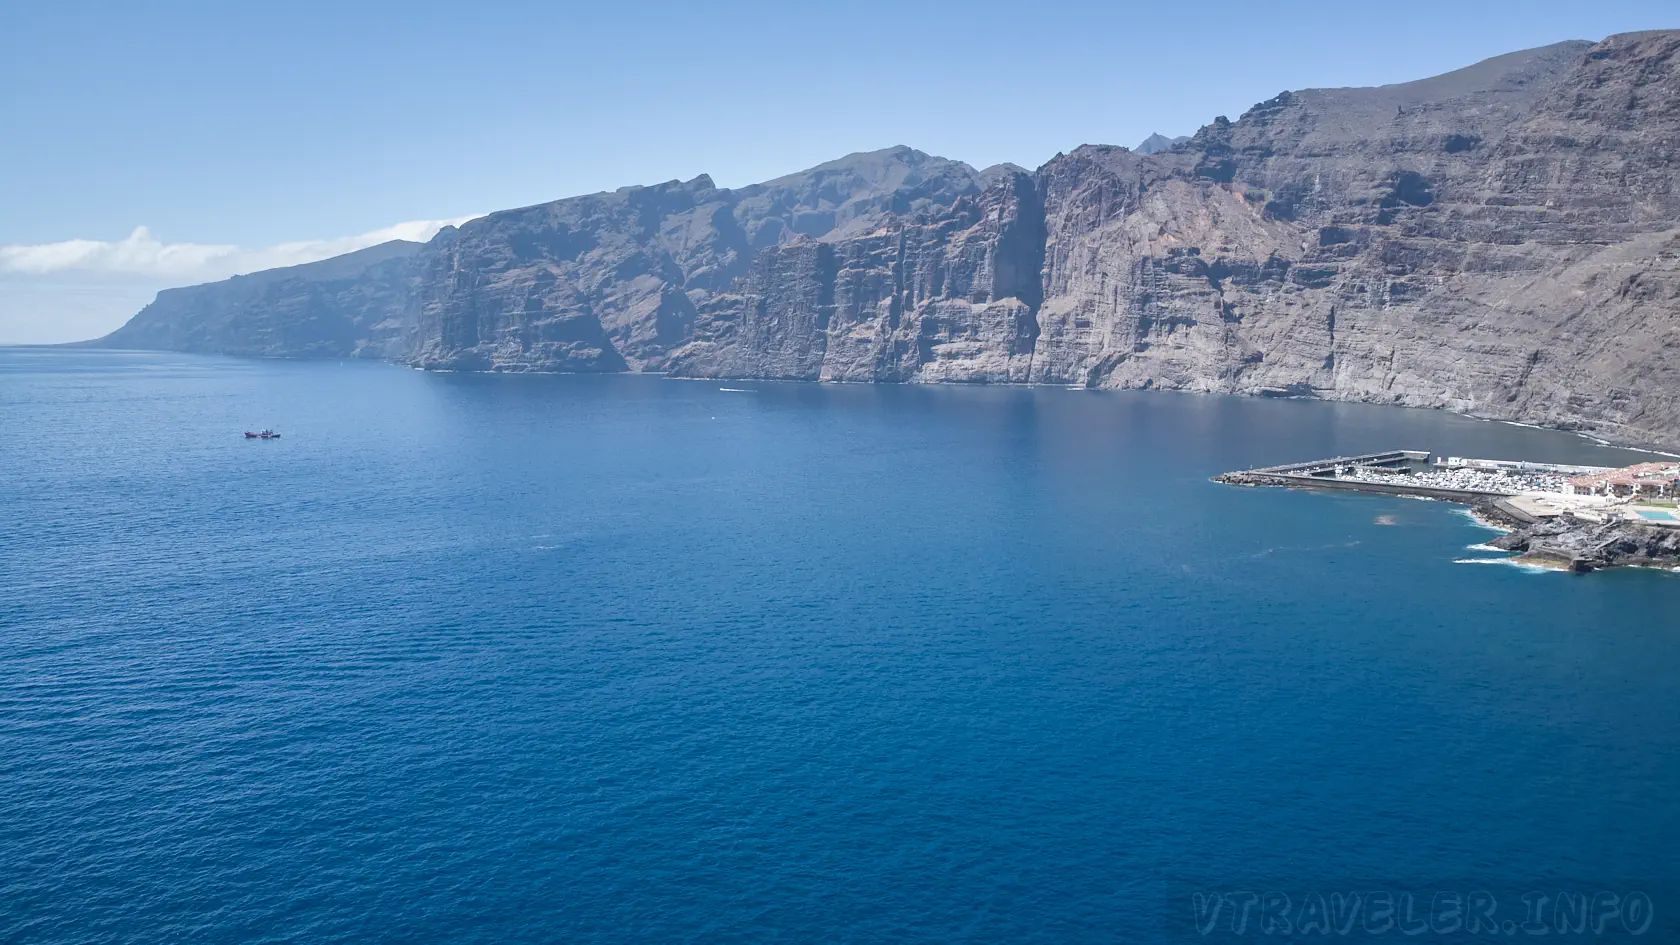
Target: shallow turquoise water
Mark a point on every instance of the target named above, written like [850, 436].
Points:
[505, 659]
[1659, 516]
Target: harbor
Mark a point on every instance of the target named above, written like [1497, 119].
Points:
[1580, 518]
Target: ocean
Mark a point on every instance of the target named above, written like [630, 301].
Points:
[482, 658]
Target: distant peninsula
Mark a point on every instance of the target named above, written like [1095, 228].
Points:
[1503, 240]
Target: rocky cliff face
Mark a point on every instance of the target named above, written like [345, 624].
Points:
[611, 282]
[945, 294]
[1498, 240]
[1503, 240]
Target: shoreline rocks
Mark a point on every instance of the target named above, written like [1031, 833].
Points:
[1583, 546]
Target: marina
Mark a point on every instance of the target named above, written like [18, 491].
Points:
[1419, 473]
[1534, 489]
[1580, 518]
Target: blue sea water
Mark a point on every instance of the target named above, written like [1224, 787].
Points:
[625, 659]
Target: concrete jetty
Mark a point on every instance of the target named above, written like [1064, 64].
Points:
[1390, 472]
[1391, 459]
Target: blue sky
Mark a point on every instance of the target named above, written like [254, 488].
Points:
[247, 135]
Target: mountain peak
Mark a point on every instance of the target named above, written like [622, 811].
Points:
[1158, 142]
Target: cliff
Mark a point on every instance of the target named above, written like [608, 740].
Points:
[347, 306]
[610, 282]
[1502, 240]
[1499, 240]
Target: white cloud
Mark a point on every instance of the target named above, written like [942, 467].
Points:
[54, 292]
[144, 255]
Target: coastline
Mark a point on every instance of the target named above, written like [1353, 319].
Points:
[1563, 543]
[1573, 545]
[1582, 428]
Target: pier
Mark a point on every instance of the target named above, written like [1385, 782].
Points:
[1396, 460]
[1418, 473]
[1391, 472]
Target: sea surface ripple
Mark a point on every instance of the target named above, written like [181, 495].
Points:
[509, 659]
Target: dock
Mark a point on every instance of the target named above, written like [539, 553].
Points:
[1524, 491]
[1391, 472]
[1392, 459]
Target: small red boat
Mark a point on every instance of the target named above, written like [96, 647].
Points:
[264, 435]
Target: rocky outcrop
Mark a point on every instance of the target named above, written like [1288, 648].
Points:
[1502, 240]
[1587, 546]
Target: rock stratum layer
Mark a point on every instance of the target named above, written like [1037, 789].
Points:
[1503, 240]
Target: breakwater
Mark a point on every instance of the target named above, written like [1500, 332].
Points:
[1391, 472]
